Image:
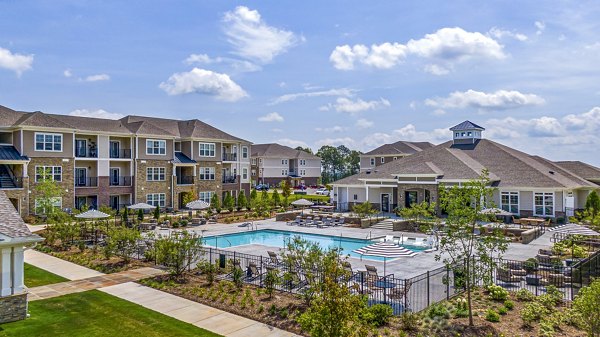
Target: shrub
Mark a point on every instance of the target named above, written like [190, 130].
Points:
[532, 312]
[377, 315]
[524, 295]
[409, 321]
[438, 310]
[530, 265]
[271, 280]
[273, 310]
[492, 316]
[508, 304]
[586, 307]
[208, 269]
[502, 310]
[497, 293]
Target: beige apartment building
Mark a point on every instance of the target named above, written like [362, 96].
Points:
[387, 153]
[118, 162]
[272, 163]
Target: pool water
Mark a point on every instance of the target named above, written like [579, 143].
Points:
[279, 238]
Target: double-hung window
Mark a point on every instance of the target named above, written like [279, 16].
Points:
[155, 174]
[205, 196]
[372, 161]
[156, 147]
[244, 173]
[543, 203]
[284, 172]
[510, 202]
[50, 142]
[382, 160]
[50, 172]
[207, 149]
[244, 152]
[156, 199]
[207, 173]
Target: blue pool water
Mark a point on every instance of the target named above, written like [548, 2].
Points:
[278, 238]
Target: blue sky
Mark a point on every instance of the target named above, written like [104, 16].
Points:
[359, 73]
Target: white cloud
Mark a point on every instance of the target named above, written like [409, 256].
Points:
[447, 45]
[436, 69]
[291, 142]
[100, 113]
[541, 26]
[439, 112]
[343, 104]
[408, 132]
[252, 38]
[332, 92]
[347, 141]
[97, 78]
[335, 128]
[363, 123]
[67, 73]
[271, 117]
[203, 81]
[15, 62]
[499, 33]
[234, 64]
[499, 100]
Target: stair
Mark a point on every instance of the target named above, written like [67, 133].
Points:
[5, 180]
[387, 224]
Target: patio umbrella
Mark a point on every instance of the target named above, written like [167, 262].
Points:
[495, 211]
[92, 214]
[387, 250]
[197, 204]
[303, 203]
[141, 205]
[574, 229]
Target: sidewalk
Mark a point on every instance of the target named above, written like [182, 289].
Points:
[197, 314]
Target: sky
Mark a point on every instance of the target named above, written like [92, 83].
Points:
[313, 73]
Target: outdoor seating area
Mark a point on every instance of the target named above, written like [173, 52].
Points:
[317, 221]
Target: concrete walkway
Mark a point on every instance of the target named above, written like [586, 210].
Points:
[197, 314]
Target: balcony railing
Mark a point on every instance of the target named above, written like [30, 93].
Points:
[229, 156]
[8, 182]
[120, 154]
[229, 179]
[86, 182]
[185, 180]
[86, 153]
[120, 181]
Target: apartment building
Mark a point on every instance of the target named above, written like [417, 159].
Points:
[389, 152]
[118, 162]
[272, 163]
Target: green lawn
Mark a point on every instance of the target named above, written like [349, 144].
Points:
[35, 277]
[293, 197]
[94, 313]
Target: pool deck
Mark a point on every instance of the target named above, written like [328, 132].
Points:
[405, 267]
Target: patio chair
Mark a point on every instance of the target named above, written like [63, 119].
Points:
[389, 238]
[236, 266]
[341, 222]
[274, 259]
[546, 252]
[506, 276]
[294, 282]
[516, 221]
[401, 292]
[253, 272]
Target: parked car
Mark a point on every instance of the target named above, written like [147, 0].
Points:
[261, 187]
[322, 191]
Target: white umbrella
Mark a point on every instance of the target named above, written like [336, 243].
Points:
[303, 203]
[197, 204]
[495, 211]
[387, 250]
[92, 214]
[574, 229]
[141, 205]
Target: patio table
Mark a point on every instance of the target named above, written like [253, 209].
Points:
[532, 221]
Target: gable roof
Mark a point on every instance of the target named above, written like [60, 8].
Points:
[11, 224]
[274, 150]
[584, 170]
[466, 125]
[9, 152]
[400, 148]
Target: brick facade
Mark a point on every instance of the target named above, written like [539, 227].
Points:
[144, 187]
[67, 184]
[13, 308]
[22, 196]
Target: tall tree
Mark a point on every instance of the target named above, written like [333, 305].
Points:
[48, 192]
[305, 149]
[242, 202]
[353, 162]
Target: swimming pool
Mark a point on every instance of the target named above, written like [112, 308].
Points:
[278, 238]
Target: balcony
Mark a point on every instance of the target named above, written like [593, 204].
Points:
[229, 156]
[86, 182]
[120, 154]
[8, 182]
[185, 180]
[120, 181]
[229, 179]
[81, 152]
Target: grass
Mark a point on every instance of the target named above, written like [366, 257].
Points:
[35, 277]
[311, 197]
[94, 313]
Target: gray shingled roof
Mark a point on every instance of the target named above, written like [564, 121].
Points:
[8, 152]
[466, 125]
[11, 224]
[584, 170]
[273, 150]
[507, 166]
[181, 158]
[400, 148]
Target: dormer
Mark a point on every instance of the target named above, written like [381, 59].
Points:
[466, 133]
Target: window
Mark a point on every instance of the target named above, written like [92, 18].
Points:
[510, 202]
[177, 146]
[51, 142]
[52, 172]
[284, 161]
[205, 196]
[207, 149]
[462, 134]
[253, 173]
[156, 147]
[372, 161]
[284, 172]
[253, 161]
[457, 134]
[207, 173]
[155, 174]
[244, 152]
[382, 160]
[260, 161]
[156, 199]
[55, 202]
[244, 173]
[469, 134]
[395, 158]
[302, 162]
[355, 197]
[543, 204]
[302, 172]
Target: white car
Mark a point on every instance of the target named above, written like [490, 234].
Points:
[322, 191]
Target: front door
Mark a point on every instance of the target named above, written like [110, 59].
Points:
[114, 176]
[114, 202]
[80, 147]
[410, 198]
[80, 202]
[385, 203]
[80, 176]
[114, 149]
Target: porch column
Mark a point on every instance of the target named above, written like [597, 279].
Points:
[18, 272]
[25, 173]
[5, 272]
[367, 193]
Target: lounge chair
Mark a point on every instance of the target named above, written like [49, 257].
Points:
[401, 292]
[341, 222]
[389, 238]
[274, 259]
[236, 266]
[253, 272]
[294, 282]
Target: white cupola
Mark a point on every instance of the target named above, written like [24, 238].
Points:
[466, 133]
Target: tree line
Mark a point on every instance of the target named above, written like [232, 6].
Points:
[337, 162]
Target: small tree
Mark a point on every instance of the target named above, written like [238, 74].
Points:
[461, 248]
[125, 216]
[271, 280]
[592, 204]
[157, 213]
[242, 201]
[275, 198]
[122, 241]
[178, 251]
[417, 213]
[364, 210]
[188, 197]
[228, 202]
[47, 192]
[286, 191]
[215, 203]
[587, 308]
[140, 215]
